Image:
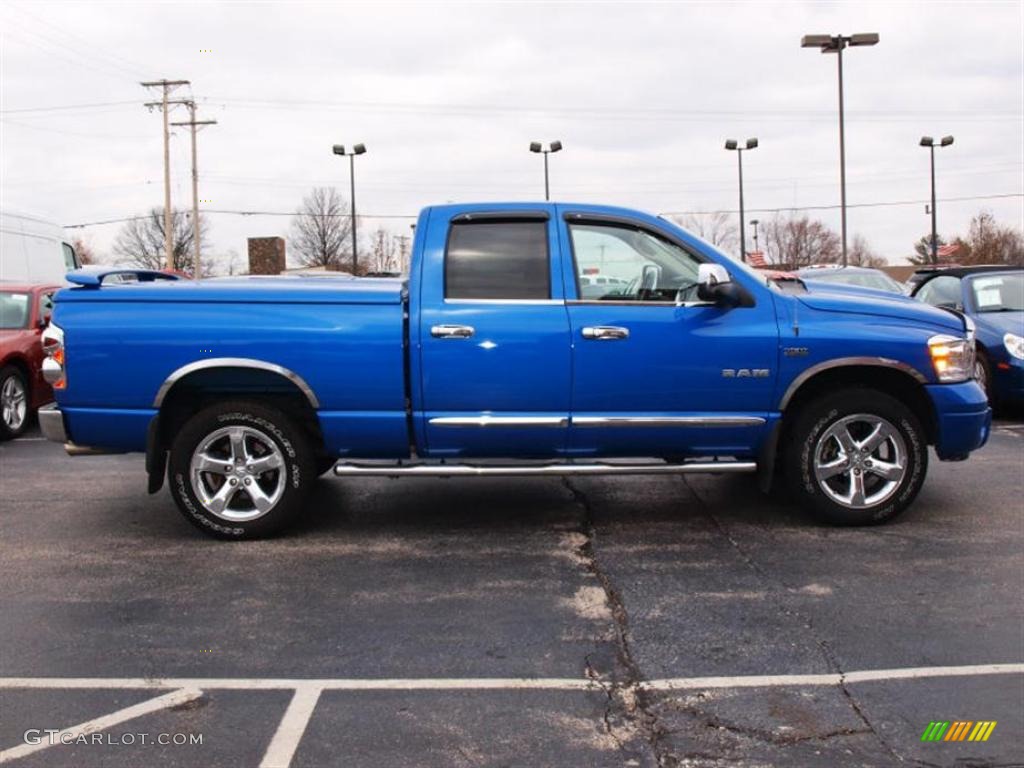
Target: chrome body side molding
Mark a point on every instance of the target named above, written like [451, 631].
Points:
[842, 362]
[394, 469]
[667, 421]
[234, 362]
[499, 421]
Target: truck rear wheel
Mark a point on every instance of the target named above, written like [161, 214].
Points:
[856, 457]
[240, 470]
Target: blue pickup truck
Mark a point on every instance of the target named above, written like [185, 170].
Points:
[528, 339]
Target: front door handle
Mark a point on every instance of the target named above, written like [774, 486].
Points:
[605, 332]
[452, 331]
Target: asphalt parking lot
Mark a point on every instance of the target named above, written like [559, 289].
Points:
[635, 621]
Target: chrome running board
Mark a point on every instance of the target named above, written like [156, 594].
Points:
[424, 469]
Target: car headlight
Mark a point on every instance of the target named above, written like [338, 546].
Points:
[952, 357]
[1014, 345]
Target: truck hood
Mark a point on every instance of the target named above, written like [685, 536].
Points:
[853, 300]
[253, 289]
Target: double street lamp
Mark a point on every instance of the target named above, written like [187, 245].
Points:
[554, 146]
[733, 145]
[358, 149]
[928, 141]
[835, 44]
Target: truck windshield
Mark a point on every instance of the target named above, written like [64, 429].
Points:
[13, 310]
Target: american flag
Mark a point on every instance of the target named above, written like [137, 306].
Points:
[756, 259]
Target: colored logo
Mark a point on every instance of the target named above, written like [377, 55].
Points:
[958, 730]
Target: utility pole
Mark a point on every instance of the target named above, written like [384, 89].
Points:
[194, 125]
[166, 85]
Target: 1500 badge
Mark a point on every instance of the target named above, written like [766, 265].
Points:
[745, 373]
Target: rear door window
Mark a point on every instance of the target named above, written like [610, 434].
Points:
[498, 260]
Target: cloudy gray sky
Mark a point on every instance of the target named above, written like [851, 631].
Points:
[447, 98]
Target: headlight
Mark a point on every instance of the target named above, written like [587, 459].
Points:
[1014, 345]
[952, 358]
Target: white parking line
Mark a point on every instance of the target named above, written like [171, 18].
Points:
[300, 709]
[863, 676]
[501, 683]
[102, 723]
[289, 733]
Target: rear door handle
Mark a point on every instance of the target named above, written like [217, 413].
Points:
[605, 332]
[452, 331]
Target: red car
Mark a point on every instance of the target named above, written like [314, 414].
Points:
[24, 313]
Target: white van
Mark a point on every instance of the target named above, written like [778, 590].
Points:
[32, 250]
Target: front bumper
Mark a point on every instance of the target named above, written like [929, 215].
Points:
[51, 423]
[962, 417]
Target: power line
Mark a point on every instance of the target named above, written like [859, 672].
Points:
[665, 213]
[887, 203]
[66, 107]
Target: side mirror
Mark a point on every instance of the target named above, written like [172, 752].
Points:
[716, 286]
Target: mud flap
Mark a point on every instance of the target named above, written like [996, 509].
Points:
[156, 456]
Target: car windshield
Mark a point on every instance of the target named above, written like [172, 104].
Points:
[13, 310]
[999, 292]
[877, 280]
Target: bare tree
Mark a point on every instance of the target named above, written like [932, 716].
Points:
[140, 242]
[993, 243]
[799, 241]
[85, 252]
[718, 228]
[234, 263]
[861, 254]
[321, 229]
[384, 256]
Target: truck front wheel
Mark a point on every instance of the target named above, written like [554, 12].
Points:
[856, 457]
[240, 470]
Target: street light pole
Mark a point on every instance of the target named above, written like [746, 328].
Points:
[358, 149]
[554, 146]
[928, 141]
[835, 44]
[732, 144]
[842, 151]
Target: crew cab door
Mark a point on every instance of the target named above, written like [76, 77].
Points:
[656, 371]
[494, 359]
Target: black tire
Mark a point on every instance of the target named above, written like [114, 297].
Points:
[267, 435]
[813, 442]
[983, 373]
[11, 377]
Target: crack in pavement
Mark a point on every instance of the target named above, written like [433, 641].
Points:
[625, 696]
[826, 651]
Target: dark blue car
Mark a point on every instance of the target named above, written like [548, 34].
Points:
[993, 297]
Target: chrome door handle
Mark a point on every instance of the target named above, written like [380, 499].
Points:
[452, 331]
[605, 332]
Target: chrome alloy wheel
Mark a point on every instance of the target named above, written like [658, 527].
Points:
[238, 473]
[860, 461]
[14, 403]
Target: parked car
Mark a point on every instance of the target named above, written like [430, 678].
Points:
[490, 361]
[921, 274]
[32, 250]
[993, 297]
[24, 312]
[861, 277]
